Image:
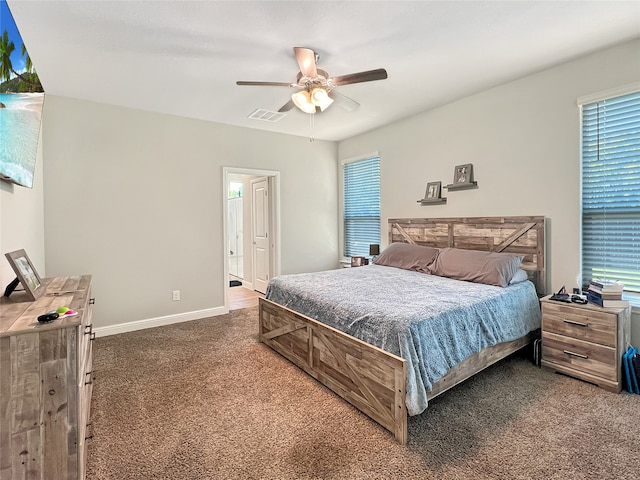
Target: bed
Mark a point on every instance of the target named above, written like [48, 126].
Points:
[389, 358]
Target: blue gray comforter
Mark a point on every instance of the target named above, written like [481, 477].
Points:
[432, 322]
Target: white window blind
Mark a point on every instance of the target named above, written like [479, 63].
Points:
[611, 191]
[361, 205]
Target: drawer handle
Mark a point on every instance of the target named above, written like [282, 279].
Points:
[573, 354]
[88, 330]
[577, 324]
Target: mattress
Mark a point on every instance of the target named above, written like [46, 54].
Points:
[433, 322]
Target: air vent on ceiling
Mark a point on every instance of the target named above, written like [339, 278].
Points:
[266, 115]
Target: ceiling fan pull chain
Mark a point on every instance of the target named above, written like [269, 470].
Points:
[311, 125]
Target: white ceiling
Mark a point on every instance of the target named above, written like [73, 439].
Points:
[183, 58]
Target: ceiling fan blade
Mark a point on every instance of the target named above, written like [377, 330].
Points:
[368, 76]
[287, 106]
[267, 84]
[348, 104]
[306, 59]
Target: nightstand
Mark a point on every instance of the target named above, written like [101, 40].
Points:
[585, 341]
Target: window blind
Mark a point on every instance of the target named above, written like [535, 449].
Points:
[361, 205]
[611, 191]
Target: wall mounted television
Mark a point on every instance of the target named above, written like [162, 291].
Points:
[21, 103]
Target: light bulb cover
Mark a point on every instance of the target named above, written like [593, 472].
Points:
[302, 100]
[321, 98]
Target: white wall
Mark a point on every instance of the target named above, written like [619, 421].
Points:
[523, 139]
[22, 222]
[134, 198]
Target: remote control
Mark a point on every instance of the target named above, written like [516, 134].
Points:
[48, 317]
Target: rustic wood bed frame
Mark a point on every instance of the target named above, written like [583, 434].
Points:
[372, 379]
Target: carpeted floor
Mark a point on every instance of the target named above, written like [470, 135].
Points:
[205, 400]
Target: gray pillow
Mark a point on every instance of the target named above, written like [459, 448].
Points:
[490, 268]
[408, 257]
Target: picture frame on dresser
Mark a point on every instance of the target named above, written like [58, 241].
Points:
[26, 275]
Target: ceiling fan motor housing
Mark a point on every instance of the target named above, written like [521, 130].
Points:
[321, 80]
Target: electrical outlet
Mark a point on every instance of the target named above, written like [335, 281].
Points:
[176, 295]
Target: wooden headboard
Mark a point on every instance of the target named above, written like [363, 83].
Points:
[523, 235]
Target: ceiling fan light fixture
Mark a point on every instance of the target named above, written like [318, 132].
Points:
[302, 100]
[320, 97]
[315, 84]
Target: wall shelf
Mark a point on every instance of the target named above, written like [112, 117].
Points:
[461, 186]
[433, 201]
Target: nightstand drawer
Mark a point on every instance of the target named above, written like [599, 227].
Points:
[585, 357]
[590, 326]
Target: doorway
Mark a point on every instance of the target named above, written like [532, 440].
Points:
[251, 231]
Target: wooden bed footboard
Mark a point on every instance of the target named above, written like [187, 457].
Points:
[366, 376]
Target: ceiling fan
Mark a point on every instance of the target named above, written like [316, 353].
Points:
[316, 87]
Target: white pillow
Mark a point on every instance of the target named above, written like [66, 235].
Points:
[520, 276]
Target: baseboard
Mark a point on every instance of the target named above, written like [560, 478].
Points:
[247, 284]
[158, 321]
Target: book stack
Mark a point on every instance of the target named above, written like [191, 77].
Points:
[606, 294]
[631, 369]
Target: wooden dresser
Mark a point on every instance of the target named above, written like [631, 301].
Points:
[45, 382]
[585, 341]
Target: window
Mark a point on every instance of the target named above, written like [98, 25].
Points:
[235, 189]
[611, 191]
[361, 185]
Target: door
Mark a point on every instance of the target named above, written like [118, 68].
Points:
[261, 223]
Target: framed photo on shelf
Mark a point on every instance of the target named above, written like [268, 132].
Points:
[434, 191]
[463, 174]
[26, 274]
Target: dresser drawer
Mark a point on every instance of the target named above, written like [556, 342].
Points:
[85, 430]
[582, 324]
[86, 310]
[583, 356]
[88, 335]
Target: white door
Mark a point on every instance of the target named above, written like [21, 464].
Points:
[260, 232]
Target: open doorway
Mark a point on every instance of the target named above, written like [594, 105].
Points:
[251, 230]
[235, 230]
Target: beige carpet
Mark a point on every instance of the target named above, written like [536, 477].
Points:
[205, 400]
